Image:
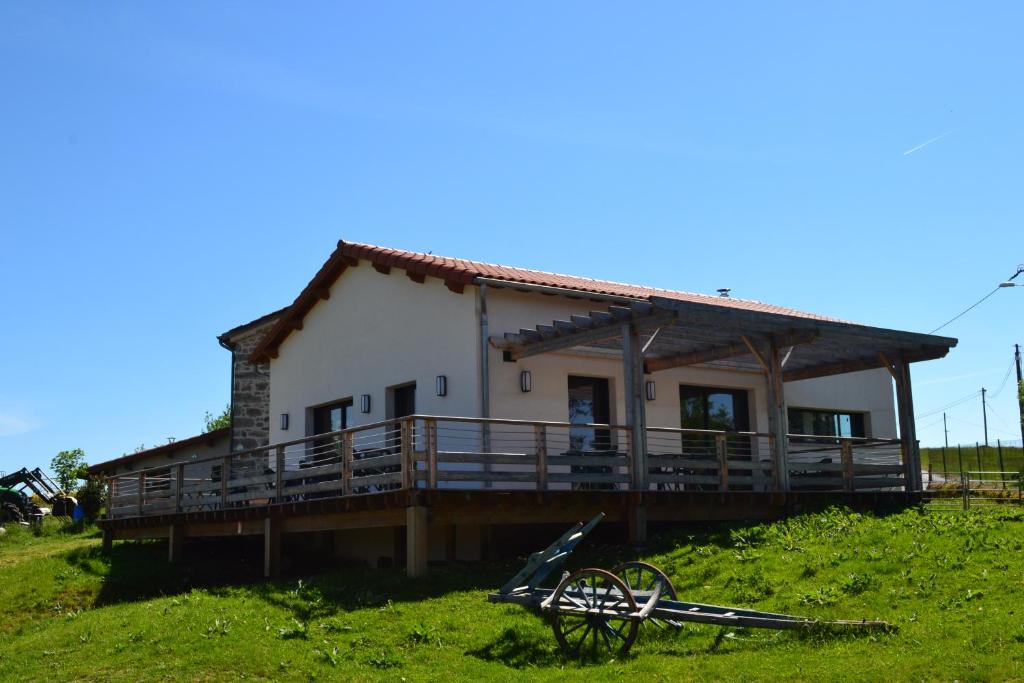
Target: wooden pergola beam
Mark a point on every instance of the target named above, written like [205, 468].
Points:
[747, 346]
[565, 334]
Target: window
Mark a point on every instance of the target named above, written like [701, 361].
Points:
[826, 423]
[710, 408]
[588, 404]
[327, 419]
[332, 418]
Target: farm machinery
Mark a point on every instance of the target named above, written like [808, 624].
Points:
[597, 612]
[17, 506]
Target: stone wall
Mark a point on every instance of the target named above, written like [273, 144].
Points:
[250, 390]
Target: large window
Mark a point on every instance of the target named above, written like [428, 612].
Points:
[826, 423]
[588, 404]
[710, 408]
[332, 418]
[327, 419]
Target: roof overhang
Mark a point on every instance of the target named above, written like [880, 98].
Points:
[683, 333]
[167, 449]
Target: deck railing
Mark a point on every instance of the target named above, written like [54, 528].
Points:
[475, 453]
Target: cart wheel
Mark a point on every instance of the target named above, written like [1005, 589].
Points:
[641, 577]
[587, 608]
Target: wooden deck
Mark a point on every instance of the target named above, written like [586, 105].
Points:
[424, 472]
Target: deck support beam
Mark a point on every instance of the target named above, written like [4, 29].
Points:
[271, 547]
[416, 540]
[175, 543]
[108, 539]
[900, 370]
[778, 420]
[636, 522]
[633, 374]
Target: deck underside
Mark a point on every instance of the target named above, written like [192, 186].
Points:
[450, 507]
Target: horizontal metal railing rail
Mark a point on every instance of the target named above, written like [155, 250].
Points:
[424, 451]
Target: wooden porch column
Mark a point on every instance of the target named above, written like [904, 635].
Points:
[271, 547]
[778, 420]
[108, 539]
[416, 538]
[175, 543]
[908, 432]
[633, 379]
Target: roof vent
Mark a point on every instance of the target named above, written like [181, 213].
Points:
[724, 292]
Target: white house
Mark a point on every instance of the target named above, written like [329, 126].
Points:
[419, 392]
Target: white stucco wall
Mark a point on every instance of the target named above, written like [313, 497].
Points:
[378, 331]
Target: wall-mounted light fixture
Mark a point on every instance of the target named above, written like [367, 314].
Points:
[284, 422]
[649, 387]
[525, 381]
[441, 385]
[364, 403]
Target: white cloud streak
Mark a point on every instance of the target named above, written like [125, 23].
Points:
[926, 143]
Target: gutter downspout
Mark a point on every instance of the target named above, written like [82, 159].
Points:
[485, 373]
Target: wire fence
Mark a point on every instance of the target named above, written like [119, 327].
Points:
[947, 463]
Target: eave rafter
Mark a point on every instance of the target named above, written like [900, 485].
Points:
[581, 330]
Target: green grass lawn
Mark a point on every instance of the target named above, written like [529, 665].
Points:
[953, 584]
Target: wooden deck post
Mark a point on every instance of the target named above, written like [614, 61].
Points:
[142, 491]
[179, 485]
[540, 449]
[175, 543]
[279, 463]
[846, 447]
[633, 379]
[225, 472]
[778, 420]
[900, 371]
[636, 521]
[408, 461]
[416, 540]
[271, 547]
[108, 540]
[112, 493]
[346, 463]
[721, 449]
[430, 427]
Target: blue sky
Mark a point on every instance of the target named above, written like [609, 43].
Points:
[170, 170]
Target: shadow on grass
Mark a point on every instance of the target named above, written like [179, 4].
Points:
[519, 648]
[139, 570]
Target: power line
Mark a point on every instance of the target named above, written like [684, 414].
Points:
[1020, 269]
[953, 404]
[1006, 377]
[961, 313]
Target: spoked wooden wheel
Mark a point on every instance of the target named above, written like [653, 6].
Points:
[641, 577]
[588, 615]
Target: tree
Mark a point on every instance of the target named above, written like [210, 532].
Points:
[92, 497]
[220, 422]
[69, 467]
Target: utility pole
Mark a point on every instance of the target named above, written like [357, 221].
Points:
[1020, 392]
[984, 415]
[945, 429]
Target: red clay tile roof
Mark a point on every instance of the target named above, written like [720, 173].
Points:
[457, 273]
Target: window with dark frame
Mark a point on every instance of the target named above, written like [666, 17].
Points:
[713, 408]
[834, 423]
[326, 419]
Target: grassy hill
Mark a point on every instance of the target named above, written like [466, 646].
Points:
[952, 583]
[969, 457]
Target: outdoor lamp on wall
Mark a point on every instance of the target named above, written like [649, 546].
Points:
[284, 422]
[525, 381]
[441, 385]
[364, 403]
[650, 390]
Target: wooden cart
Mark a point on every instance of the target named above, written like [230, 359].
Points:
[596, 612]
